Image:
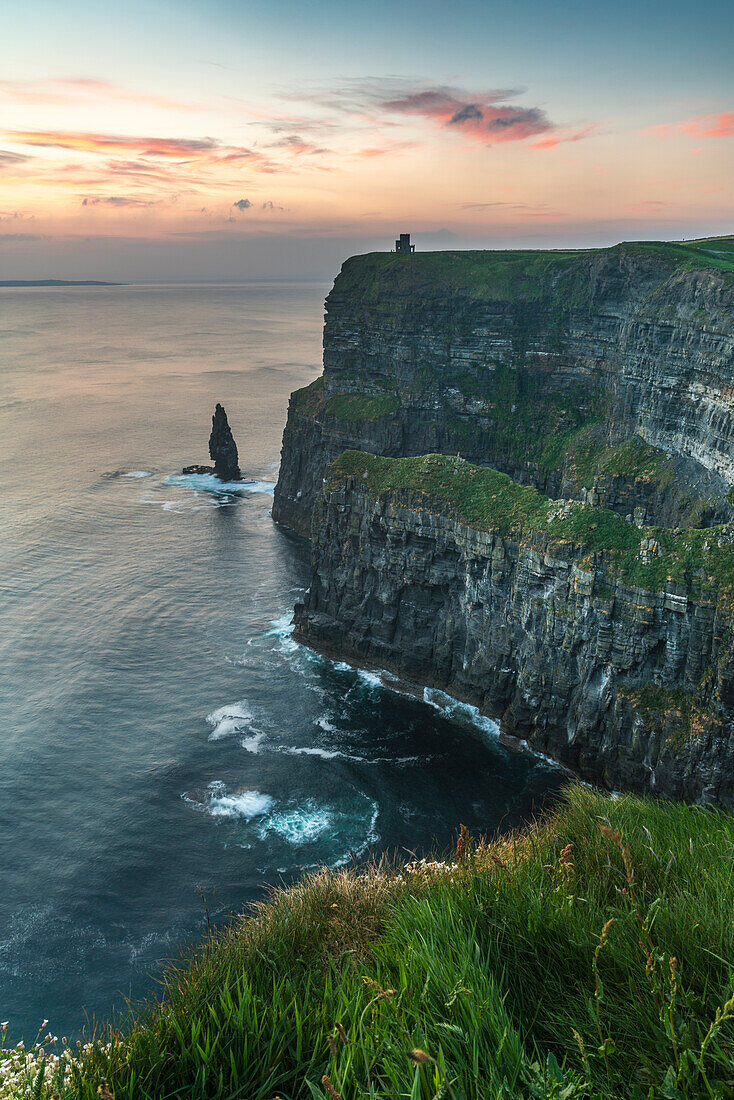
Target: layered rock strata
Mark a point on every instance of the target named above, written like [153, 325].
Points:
[544, 365]
[606, 646]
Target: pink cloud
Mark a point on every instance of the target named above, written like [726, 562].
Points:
[479, 116]
[79, 89]
[562, 136]
[704, 126]
[80, 141]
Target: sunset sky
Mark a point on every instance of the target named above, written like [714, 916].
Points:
[177, 139]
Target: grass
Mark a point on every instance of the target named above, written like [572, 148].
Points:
[674, 713]
[311, 400]
[588, 455]
[361, 407]
[699, 560]
[521, 274]
[589, 957]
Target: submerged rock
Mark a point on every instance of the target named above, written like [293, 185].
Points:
[222, 449]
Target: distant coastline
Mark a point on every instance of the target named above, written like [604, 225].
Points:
[55, 282]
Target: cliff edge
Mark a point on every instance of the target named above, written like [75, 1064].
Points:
[605, 375]
[575, 578]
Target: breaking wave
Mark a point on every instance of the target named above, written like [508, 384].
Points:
[211, 484]
[218, 803]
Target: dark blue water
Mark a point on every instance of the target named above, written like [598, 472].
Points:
[161, 732]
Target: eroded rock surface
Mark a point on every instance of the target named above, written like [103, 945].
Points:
[222, 447]
[630, 687]
[609, 372]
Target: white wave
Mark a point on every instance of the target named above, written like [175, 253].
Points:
[229, 719]
[455, 709]
[281, 627]
[452, 708]
[253, 743]
[371, 679]
[339, 754]
[246, 804]
[326, 725]
[301, 825]
[137, 473]
[211, 484]
[324, 754]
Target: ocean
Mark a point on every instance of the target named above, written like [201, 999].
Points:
[166, 746]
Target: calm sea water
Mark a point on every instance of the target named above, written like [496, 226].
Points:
[162, 734]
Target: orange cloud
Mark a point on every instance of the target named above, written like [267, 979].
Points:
[174, 148]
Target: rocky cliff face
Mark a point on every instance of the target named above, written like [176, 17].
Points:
[573, 635]
[584, 593]
[544, 365]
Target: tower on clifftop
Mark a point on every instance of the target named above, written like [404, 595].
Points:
[403, 243]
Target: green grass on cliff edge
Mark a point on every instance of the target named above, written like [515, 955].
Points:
[590, 957]
[520, 273]
[699, 560]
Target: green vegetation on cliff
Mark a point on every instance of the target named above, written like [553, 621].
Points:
[699, 560]
[354, 407]
[361, 406]
[588, 958]
[521, 274]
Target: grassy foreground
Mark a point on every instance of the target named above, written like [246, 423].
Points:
[590, 956]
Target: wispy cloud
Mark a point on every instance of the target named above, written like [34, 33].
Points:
[649, 206]
[487, 116]
[10, 160]
[62, 90]
[717, 125]
[117, 201]
[299, 146]
[204, 148]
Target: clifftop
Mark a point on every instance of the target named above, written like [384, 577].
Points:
[520, 468]
[528, 273]
[557, 368]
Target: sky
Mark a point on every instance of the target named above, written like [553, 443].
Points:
[232, 139]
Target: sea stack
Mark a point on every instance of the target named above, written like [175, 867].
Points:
[222, 447]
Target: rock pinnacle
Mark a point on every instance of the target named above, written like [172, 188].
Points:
[223, 448]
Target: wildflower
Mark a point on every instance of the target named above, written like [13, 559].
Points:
[4, 1025]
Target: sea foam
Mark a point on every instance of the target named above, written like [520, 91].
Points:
[301, 825]
[246, 804]
[211, 484]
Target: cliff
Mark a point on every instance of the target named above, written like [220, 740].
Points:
[606, 645]
[604, 375]
[578, 581]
